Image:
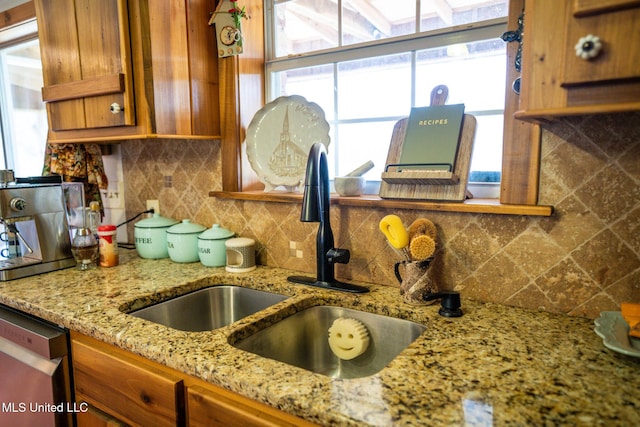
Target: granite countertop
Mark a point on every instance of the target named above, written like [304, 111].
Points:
[495, 365]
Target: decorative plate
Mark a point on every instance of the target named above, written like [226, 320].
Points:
[614, 331]
[279, 138]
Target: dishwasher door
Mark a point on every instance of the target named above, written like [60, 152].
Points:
[34, 372]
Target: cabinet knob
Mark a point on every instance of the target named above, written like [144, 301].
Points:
[115, 108]
[588, 47]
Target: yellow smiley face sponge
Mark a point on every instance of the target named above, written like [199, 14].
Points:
[348, 338]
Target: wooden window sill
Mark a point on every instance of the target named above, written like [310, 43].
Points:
[490, 206]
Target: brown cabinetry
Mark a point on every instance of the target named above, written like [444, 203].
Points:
[208, 405]
[122, 69]
[580, 57]
[122, 388]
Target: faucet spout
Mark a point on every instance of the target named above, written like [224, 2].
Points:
[315, 208]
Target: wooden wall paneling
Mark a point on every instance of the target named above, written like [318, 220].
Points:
[241, 96]
[252, 83]
[521, 141]
[203, 74]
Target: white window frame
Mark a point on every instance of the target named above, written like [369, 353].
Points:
[403, 44]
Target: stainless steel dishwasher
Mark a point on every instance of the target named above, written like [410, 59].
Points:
[35, 387]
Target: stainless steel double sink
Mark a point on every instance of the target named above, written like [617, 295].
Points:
[210, 308]
[300, 339]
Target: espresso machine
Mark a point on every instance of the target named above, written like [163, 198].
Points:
[34, 235]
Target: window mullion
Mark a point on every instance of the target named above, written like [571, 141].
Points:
[388, 47]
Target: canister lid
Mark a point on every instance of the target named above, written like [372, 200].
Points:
[216, 232]
[156, 221]
[186, 227]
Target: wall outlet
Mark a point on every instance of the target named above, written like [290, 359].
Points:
[155, 205]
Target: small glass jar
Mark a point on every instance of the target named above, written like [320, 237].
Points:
[84, 249]
[108, 244]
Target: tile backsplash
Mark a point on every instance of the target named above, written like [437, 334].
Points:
[582, 260]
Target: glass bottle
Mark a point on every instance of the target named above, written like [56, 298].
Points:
[84, 248]
[94, 218]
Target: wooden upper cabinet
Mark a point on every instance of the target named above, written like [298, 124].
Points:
[85, 70]
[122, 69]
[556, 81]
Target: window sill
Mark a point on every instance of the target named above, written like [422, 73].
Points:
[490, 206]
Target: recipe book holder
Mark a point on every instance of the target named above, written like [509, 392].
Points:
[439, 185]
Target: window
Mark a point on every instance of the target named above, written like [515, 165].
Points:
[366, 63]
[22, 111]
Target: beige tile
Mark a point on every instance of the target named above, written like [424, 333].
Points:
[626, 289]
[498, 279]
[567, 286]
[473, 246]
[533, 252]
[627, 228]
[573, 162]
[606, 258]
[572, 224]
[582, 260]
[610, 193]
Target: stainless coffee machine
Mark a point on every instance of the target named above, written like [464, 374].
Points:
[34, 235]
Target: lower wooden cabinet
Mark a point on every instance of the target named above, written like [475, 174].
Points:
[124, 385]
[208, 405]
[122, 388]
[93, 417]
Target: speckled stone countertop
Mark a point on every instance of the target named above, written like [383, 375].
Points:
[496, 365]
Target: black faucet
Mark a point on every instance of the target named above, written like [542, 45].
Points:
[315, 208]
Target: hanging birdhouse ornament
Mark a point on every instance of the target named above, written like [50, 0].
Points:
[226, 20]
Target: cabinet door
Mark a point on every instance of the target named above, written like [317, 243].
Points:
[213, 406]
[93, 417]
[86, 67]
[619, 57]
[556, 82]
[134, 391]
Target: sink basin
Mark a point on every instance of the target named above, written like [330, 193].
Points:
[302, 340]
[209, 308]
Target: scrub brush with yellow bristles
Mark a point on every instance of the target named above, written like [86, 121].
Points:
[422, 226]
[421, 247]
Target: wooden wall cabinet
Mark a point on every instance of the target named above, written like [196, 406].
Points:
[122, 388]
[556, 81]
[122, 69]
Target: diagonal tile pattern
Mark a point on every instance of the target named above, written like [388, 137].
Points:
[584, 259]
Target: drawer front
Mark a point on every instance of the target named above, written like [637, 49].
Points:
[211, 406]
[125, 387]
[619, 56]
[592, 7]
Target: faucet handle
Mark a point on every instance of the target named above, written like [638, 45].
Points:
[336, 255]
